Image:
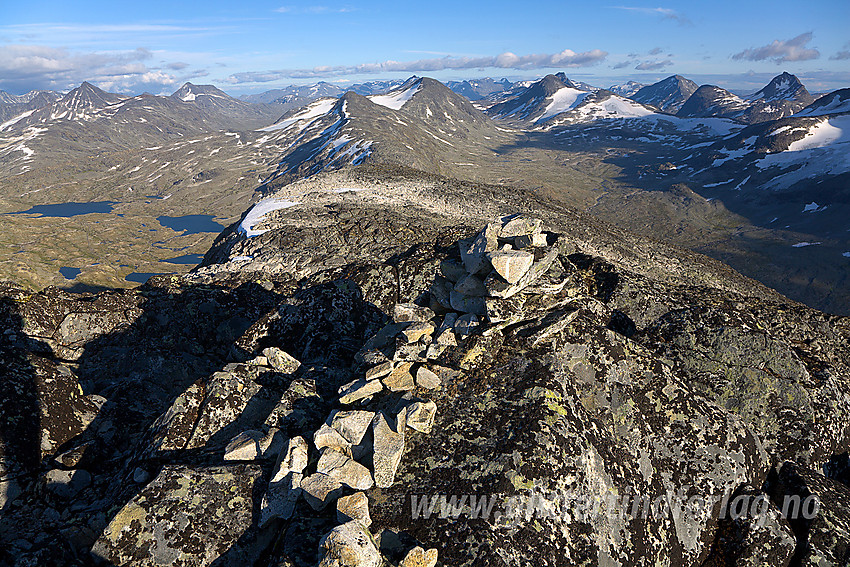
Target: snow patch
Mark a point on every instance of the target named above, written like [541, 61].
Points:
[834, 106]
[719, 183]
[804, 244]
[563, 99]
[258, 213]
[15, 119]
[311, 111]
[396, 99]
[813, 208]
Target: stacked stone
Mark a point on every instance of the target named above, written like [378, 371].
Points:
[505, 258]
[350, 442]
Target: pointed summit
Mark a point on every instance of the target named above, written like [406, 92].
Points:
[190, 92]
[87, 96]
[712, 101]
[784, 87]
[537, 100]
[668, 94]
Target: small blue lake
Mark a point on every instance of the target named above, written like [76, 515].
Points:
[191, 224]
[69, 273]
[140, 277]
[186, 259]
[71, 209]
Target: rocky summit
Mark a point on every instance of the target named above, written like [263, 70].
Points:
[399, 369]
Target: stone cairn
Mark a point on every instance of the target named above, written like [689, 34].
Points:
[505, 258]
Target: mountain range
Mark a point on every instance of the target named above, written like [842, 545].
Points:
[245, 334]
[591, 148]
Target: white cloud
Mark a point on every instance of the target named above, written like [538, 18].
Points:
[507, 60]
[653, 65]
[664, 13]
[781, 51]
[26, 67]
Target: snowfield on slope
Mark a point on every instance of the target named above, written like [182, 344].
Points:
[258, 213]
[826, 148]
[311, 111]
[562, 100]
[396, 99]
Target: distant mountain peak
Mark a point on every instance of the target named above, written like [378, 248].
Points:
[784, 87]
[189, 92]
[88, 96]
[667, 94]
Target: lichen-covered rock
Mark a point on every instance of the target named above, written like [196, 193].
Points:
[818, 510]
[187, 517]
[518, 225]
[418, 557]
[344, 469]
[359, 389]
[400, 379]
[752, 532]
[403, 312]
[349, 545]
[799, 406]
[352, 425]
[420, 416]
[388, 435]
[320, 490]
[281, 360]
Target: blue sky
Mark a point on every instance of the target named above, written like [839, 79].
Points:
[249, 46]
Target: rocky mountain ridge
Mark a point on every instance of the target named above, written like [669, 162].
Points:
[581, 361]
[667, 95]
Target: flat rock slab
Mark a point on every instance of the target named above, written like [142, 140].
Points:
[388, 448]
[293, 458]
[353, 507]
[427, 379]
[345, 470]
[379, 371]
[512, 265]
[474, 253]
[519, 226]
[467, 303]
[327, 436]
[417, 330]
[187, 516]
[471, 285]
[400, 379]
[360, 389]
[353, 424]
[244, 446]
[281, 498]
[320, 490]
[411, 312]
